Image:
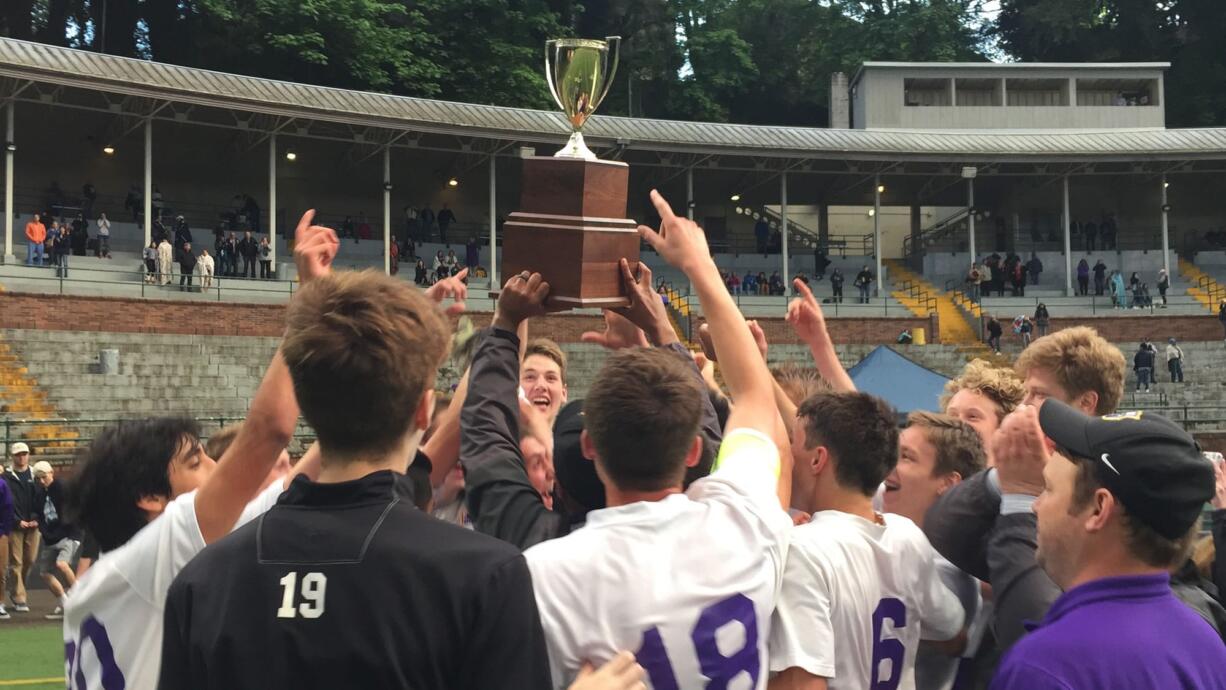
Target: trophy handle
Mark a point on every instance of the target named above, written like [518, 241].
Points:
[552, 45]
[615, 44]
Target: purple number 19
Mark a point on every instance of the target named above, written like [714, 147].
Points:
[888, 649]
[717, 667]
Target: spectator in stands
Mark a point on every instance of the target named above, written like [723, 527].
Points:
[1174, 360]
[103, 250]
[205, 263]
[187, 267]
[1019, 278]
[445, 219]
[150, 255]
[1143, 365]
[734, 283]
[36, 235]
[1100, 277]
[425, 222]
[60, 538]
[266, 258]
[88, 196]
[183, 234]
[864, 281]
[1083, 277]
[1134, 281]
[1146, 299]
[61, 249]
[764, 286]
[249, 249]
[439, 269]
[1221, 315]
[1091, 234]
[1164, 284]
[410, 223]
[776, 284]
[159, 232]
[133, 202]
[762, 233]
[1118, 298]
[347, 228]
[1024, 328]
[452, 261]
[472, 252]
[1042, 319]
[1034, 267]
[27, 509]
[994, 332]
[165, 259]
[820, 262]
[836, 286]
[229, 249]
[420, 275]
[80, 235]
[1109, 231]
[393, 254]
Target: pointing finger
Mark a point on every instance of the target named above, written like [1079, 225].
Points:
[662, 207]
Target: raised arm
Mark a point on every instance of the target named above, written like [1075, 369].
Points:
[273, 415]
[805, 315]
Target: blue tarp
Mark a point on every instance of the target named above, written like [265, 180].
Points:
[899, 381]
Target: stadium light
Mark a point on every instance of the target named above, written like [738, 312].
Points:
[453, 182]
[291, 156]
[1166, 184]
[10, 146]
[872, 212]
[881, 189]
[108, 150]
[735, 197]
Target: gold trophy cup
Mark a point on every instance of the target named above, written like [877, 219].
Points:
[579, 75]
[571, 225]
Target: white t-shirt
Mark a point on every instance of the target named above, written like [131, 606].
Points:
[688, 583]
[855, 596]
[113, 616]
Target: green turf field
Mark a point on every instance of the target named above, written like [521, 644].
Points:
[34, 656]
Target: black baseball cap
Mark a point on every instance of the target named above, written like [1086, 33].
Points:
[1153, 466]
[575, 473]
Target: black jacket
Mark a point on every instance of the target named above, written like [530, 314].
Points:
[248, 248]
[1144, 359]
[57, 529]
[27, 496]
[187, 260]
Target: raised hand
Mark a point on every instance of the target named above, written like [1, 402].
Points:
[620, 673]
[805, 315]
[315, 247]
[1019, 450]
[646, 310]
[619, 333]
[453, 288]
[708, 348]
[523, 296]
[679, 240]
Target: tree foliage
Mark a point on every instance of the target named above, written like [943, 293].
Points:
[751, 61]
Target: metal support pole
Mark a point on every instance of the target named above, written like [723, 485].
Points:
[689, 193]
[877, 231]
[1066, 219]
[9, 212]
[1166, 237]
[494, 284]
[970, 217]
[272, 197]
[148, 181]
[387, 210]
[783, 228]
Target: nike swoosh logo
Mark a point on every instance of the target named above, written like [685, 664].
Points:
[1107, 462]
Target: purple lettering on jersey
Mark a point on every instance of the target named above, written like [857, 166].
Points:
[889, 648]
[715, 666]
[95, 632]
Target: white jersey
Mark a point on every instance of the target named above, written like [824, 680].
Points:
[935, 670]
[688, 583]
[113, 616]
[857, 598]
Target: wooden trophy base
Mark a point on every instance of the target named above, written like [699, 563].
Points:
[571, 228]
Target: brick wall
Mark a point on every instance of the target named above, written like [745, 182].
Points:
[112, 314]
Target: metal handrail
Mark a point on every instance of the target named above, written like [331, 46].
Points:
[217, 286]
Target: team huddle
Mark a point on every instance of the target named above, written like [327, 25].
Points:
[664, 532]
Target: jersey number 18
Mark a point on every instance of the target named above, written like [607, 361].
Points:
[720, 669]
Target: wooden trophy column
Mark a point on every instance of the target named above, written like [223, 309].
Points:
[572, 229]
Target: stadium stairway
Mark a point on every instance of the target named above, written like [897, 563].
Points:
[26, 404]
[1205, 289]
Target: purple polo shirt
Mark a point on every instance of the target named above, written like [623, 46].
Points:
[1118, 633]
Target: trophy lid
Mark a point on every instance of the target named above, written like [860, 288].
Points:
[580, 43]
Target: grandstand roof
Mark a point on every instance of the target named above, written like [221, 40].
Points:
[59, 66]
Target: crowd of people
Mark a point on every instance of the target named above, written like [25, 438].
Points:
[670, 530]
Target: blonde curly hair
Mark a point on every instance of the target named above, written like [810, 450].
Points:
[1001, 385]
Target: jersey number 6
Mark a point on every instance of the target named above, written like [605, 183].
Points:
[888, 648]
[720, 669]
